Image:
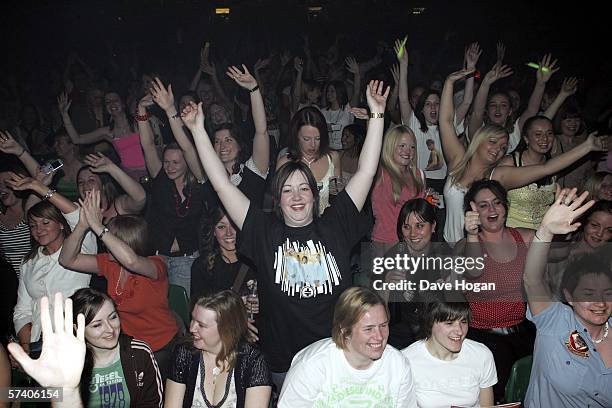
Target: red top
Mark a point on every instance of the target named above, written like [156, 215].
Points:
[503, 307]
[142, 303]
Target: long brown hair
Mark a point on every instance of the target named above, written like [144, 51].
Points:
[231, 323]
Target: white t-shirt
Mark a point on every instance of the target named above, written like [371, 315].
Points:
[320, 376]
[336, 121]
[423, 151]
[458, 382]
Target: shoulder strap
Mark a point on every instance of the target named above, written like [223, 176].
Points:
[240, 278]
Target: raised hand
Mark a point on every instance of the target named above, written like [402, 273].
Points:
[377, 99]
[63, 354]
[99, 163]
[457, 75]
[400, 51]
[193, 116]
[44, 178]
[63, 103]
[559, 219]
[21, 183]
[298, 65]
[162, 96]
[472, 220]
[501, 52]
[570, 86]
[351, 65]
[472, 54]
[9, 145]
[245, 79]
[205, 65]
[146, 101]
[496, 73]
[395, 73]
[90, 207]
[547, 68]
[360, 113]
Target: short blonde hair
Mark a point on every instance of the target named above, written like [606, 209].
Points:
[390, 142]
[350, 308]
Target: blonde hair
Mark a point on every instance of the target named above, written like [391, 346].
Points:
[352, 304]
[593, 184]
[390, 142]
[480, 137]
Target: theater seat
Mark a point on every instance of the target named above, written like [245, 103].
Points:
[517, 384]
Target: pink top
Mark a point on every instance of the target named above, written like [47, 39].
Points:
[130, 152]
[386, 211]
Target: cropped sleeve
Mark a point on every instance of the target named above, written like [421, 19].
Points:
[257, 369]
[181, 359]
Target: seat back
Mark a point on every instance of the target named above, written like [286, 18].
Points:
[517, 384]
[179, 303]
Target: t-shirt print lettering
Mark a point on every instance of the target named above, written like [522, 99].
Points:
[305, 270]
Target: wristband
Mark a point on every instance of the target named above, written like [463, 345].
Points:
[104, 231]
[175, 116]
[22, 152]
[49, 194]
[254, 89]
[377, 115]
[142, 118]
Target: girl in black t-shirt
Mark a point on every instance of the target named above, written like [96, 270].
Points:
[303, 261]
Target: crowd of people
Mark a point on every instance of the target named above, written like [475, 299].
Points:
[255, 190]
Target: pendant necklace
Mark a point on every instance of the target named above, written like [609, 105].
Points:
[605, 334]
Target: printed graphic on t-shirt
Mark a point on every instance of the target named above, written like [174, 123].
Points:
[305, 271]
[107, 390]
[351, 394]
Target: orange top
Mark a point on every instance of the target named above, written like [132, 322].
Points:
[142, 303]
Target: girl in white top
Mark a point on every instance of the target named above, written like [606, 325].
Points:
[482, 156]
[337, 112]
[41, 273]
[309, 142]
[450, 370]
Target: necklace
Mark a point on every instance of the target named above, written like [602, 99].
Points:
[309, 162]
[605, 334]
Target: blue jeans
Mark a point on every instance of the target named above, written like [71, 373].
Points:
[179, 270]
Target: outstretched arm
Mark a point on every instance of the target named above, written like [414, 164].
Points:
[559, 219]
[569, 87]
[480, 102]
[261, 141]
[9, 145]
[147, 140]
[97, 135]
[353, 67]
[359, 185]
[297, 86]
[135, 196]
[452, 148]
[543, 74]
[514, 177]
[165, 99]
[18, 182]
[472, 53]
[121, 251]
[234, 201]
[404, 98]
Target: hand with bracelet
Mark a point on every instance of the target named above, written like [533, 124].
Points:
[9, 145]
[164, 97]
[245, 80]
[91, 212]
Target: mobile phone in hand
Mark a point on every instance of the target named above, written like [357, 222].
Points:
[52, 166]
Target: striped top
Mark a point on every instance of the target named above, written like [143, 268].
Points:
[15, 243]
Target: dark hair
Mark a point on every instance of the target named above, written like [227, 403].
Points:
[522, 146]
[421, 208]
[420, 105]
[134, 231]
[110, 188]
[131, 120]
[569, 110]
[231, 322]
[88, 301]
[45, 209]
[209, 246]
[358, 133]
[341, 95]
[439, 311]
[509, 125]
[8, 163]
[281, 176]
[596, 263]
[236, 134]
[599, 206]
[191, 94]
[493, 186]
[307, 117]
